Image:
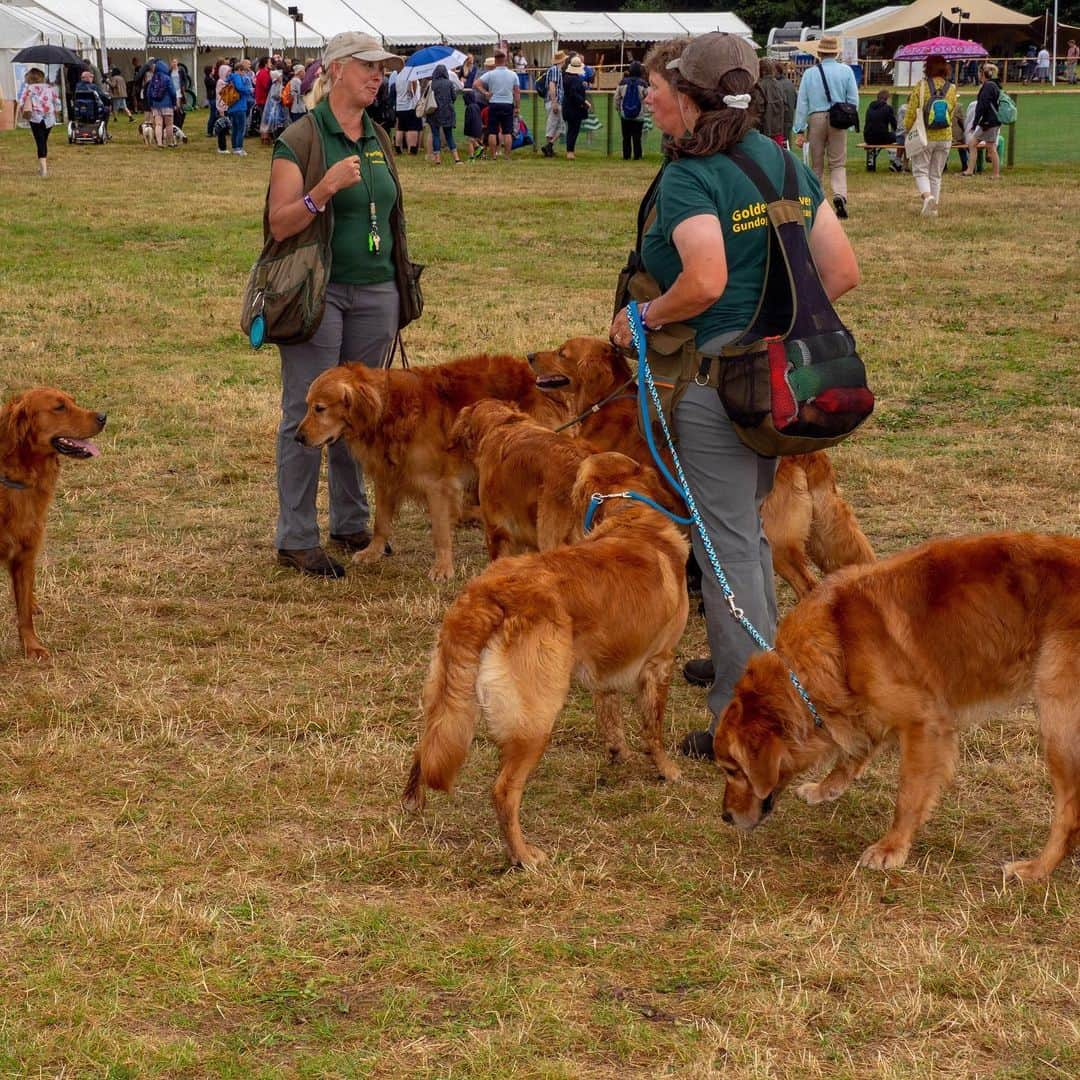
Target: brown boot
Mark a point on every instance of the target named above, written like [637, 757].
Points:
[312, 561]
[264, 138]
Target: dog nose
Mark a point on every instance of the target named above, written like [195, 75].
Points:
[301, 438]
[531, 357]
[102, 417]
[727, 818]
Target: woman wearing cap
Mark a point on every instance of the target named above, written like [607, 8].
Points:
[359, 187]
[706, 250]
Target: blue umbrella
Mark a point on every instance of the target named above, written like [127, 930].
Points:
[422, 64]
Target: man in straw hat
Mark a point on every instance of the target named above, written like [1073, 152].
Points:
[553, 99]
[812, 118]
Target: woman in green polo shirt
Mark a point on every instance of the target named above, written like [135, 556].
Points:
[361, 316]
[707, 251]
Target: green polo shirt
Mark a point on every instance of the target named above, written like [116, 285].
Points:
[715, 185]
[353, 263]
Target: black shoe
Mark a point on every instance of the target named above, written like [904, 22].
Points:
[840, 206]
[547, 150]
[355, 541]
[697, 744]
[699, 672]
[313, 561]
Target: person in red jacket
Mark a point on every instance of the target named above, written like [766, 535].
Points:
[262, 89]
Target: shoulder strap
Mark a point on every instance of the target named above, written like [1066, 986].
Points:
[647, 210]
[302, 138]
[757, 176]
[824, 81]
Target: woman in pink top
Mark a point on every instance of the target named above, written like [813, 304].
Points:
[40, 105]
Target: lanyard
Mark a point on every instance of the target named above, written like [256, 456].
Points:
[373, 240]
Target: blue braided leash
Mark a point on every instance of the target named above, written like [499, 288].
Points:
[596, 500]
[682, 488]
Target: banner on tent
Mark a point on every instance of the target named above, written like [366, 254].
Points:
[174, 29]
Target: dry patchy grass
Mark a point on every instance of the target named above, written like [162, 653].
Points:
[203, 869]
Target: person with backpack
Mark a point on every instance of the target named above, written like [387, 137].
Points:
[824, 90]
[237, 95]
[705, 249]
[161, 100]
[930, 113]
[987, 123]
[550, 87]
[630, 104]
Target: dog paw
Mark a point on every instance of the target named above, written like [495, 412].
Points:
[816, 793]
[883, 856]
[669, 771]
[1026, 870]
[36, 651]
[529, 858]
[617, 755]
[441, 572]
[371, 554]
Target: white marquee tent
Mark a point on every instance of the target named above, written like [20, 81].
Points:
[603, 27]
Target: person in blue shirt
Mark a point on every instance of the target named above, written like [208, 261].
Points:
[812, 118]
[238, 110]
[500, 86]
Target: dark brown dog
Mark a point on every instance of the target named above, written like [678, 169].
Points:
[397, 423]
[804, 516]
[518, 634]
[525, 476]
[37, 428]
[911, 648]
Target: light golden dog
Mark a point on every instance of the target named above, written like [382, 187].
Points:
[518, 634]
[397, 423]
[804, 516]
[37, 428]
[526, 474]
[911, 648]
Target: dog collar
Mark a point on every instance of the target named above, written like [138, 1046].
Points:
[15, 485]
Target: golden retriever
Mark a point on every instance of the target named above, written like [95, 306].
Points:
[518, 634]
[397, 423]
[912, 648]
[525, 475]
[804, 516]
[37, 428]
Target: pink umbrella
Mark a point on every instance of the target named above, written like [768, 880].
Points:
[950, 48]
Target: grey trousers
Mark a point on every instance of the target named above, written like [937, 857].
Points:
[827, 142]
[729, 482]
[359, 323]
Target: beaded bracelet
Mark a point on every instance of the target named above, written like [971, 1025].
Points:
[309, 202]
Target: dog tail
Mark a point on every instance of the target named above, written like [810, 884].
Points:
[450, 701]
[836, 539]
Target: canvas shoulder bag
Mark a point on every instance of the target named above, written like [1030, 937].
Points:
[791, 382]
[285, 296]
[917, 140]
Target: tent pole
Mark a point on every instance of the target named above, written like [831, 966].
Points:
[269, 29]
[822, 18]
[1053, 51]
[101, 40]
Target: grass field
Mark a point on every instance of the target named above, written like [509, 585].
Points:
[1047, 128]
[203, 867]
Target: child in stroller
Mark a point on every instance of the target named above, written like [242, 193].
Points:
[89, 112]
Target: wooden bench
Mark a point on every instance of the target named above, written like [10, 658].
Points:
[875, 148]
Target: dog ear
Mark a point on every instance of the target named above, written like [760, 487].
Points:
[15, 423]
[594, 376]
[759, 759]
[360, 394]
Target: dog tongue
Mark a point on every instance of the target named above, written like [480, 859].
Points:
[87, 445]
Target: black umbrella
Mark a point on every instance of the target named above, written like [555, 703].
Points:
[47, 54]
